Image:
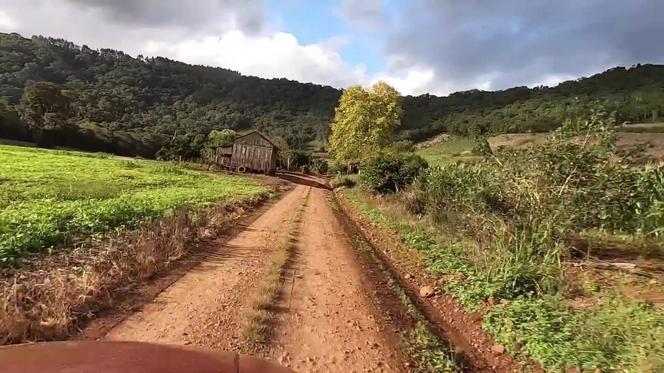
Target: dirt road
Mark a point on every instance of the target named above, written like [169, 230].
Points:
[329, 324]
[205, 307]
[325, 320]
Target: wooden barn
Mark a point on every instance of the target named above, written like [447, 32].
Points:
[223, 155]
[251, 152]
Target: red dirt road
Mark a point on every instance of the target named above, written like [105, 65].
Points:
[326, 324]
[329, 324]
[205, 307]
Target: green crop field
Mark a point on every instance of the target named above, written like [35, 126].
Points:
[48, 197]
[447, 151]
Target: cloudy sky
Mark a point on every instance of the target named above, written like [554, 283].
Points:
[419, 46]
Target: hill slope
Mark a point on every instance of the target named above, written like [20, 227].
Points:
[129, 105]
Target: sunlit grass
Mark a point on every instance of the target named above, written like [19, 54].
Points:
[48, 197]
[448, 151]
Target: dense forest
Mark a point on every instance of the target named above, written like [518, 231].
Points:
[132, 106]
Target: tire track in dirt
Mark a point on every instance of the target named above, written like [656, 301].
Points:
[326, 322]
[207, 306]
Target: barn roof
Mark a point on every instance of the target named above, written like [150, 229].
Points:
[259, 134]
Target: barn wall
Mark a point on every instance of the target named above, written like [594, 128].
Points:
[254, 139]
[222, 156]
[253, 157]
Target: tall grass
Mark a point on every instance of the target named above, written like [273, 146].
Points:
[66, 289]
[496, 231]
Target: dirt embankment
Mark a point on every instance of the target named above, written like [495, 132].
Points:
[450, 321]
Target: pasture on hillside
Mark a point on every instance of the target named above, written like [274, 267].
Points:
[48, 197]
[454, 149]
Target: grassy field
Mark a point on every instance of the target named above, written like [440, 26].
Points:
[459, 149]
[49, 197]
[448, 151]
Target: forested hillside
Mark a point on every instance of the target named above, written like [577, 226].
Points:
[635, 94]
[124, 103]
[130, 106]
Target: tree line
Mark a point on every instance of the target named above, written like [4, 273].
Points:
[106, 100]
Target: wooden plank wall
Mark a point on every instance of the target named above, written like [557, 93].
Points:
[253, 157]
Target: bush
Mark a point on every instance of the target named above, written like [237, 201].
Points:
[453, 190]
[572, 182]
[482, 147]
[320, 166]
[389, 172]
[347, 181]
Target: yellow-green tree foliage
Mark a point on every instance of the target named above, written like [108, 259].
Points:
[363, 122]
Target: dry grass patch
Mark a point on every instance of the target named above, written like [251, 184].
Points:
[260, 320]
[53, 296]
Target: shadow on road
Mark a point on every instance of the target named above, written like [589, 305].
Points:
[302, 179]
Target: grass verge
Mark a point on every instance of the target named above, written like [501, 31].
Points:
[54, 296]
[260, 320]
[617, 334]
[429, 352]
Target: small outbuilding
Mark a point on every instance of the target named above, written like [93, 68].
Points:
[251, 152]
[223, 155]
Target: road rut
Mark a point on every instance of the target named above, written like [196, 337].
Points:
[324, 319]
[206, 306]
[329, 323]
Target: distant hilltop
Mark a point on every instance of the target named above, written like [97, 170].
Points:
[130, 106]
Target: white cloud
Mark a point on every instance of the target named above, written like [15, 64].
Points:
[267, 54]
[229, 43]
[6, 22]
[279, 55]
[412, 81]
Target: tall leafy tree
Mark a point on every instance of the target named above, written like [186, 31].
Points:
[223, 138]
[364, 122]
[216, 139]
[44, 107]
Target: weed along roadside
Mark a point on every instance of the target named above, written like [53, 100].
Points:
[439, 333]
[103, 246]
[429, 349]
[492, 245]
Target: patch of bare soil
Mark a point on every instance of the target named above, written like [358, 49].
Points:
[452, 322]
[326, 321]
[206, 306]
[652, 142]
